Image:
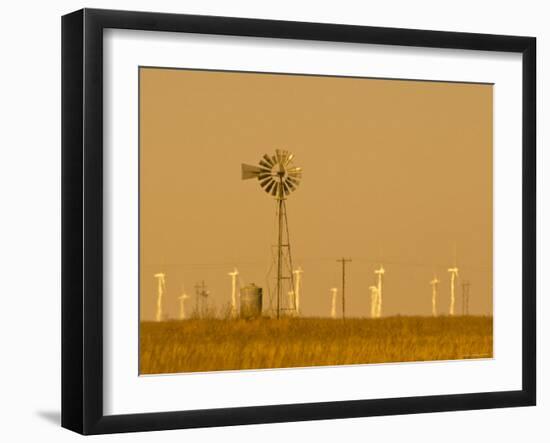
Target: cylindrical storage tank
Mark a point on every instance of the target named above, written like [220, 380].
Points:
[251, 301]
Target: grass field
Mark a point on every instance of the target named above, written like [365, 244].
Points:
[215, 344]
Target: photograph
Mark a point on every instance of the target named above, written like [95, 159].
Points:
[291, 220]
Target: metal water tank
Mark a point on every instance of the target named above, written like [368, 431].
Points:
[251, 301]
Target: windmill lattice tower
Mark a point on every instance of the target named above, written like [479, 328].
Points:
[279, 177]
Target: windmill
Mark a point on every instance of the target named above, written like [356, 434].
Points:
[435, 286]
[182, 299]
[298, 279]
[161, 289]
[334, 292]
[373, 301]
[233, 276]
[278, 177]
[380, 273]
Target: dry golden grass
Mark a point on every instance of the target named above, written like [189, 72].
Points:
[215, 344]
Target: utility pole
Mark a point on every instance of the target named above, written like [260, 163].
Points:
[344, 261]
[466, 297]
[200, 291]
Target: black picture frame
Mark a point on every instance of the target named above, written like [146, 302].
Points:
[82, 220]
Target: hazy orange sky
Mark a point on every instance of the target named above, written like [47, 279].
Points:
[395, 172]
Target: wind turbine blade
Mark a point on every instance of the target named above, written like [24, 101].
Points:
[249, 171]
[454, 254]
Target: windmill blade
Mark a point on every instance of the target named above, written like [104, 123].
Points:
[289, 159]
[283, 157]
[270, 186]
[294, 181]
[265, 181]
[265, 165]
[290, 185]
[263, 175]
[249, 171]
[267, 159]
[295, 172]
[285, 188]
[275, 190]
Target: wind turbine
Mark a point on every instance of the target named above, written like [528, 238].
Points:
[333, 308]
[373, 301]
[233, 276]
[292, 302]
[380, 272]
[298, 279]
[435, 286]
[182, 299]
[161, 288]
[454, 275]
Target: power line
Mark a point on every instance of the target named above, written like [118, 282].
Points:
[375, 261]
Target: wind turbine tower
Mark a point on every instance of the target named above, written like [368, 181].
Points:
[233, 276]
[380, 273]
[292, 302]
[297, 287]
[435, 286]
[373, 301]
[161, 289]
[454, 275]
[182, 299]
[334, 292]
